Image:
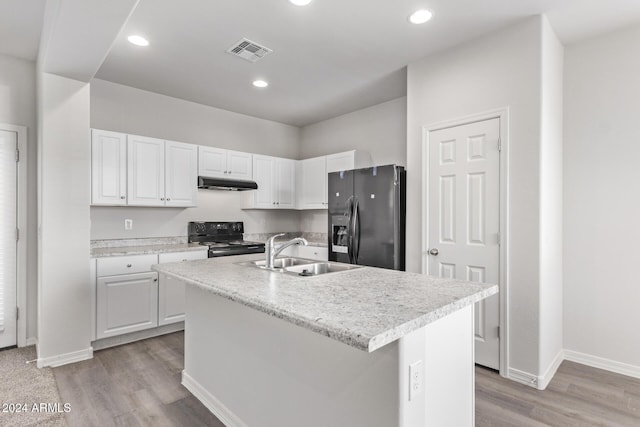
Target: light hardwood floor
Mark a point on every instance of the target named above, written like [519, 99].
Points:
[138, 384]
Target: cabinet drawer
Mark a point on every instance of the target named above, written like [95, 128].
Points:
[182, 256]
[125, 264]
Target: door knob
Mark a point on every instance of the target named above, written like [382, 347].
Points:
[434, 251]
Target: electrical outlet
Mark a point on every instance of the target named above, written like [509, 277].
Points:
[128, 224]
[415, 379]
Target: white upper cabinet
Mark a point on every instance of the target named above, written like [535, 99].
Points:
[212, 161]
[181, 161]
[342, 162]
[219, 163]
[263, 169]
[312, 190]
[239, 165]
[313, 176]
[285, 194]
[145, 167]
[276, 182]
[108, 168]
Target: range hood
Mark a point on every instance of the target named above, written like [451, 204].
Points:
[209, 183]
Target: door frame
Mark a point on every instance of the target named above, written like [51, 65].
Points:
[503, 115]
[21, 248]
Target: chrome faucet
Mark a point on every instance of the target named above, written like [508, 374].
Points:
[272, 252]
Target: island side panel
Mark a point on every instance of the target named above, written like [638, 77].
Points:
[253, 369]
[450, 370]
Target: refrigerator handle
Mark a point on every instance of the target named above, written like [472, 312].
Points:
[349, 215]
[356, 230]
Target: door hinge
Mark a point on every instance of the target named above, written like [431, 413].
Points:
[498, 329]
[17, 155]
[17, 313]
[499, 144]
[499, 240]
[17, 234]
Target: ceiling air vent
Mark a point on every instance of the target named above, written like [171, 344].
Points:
[251, 51]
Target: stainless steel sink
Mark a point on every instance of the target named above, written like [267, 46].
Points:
[278, 264]
[283, 262]
[319, 268]
[301, 266]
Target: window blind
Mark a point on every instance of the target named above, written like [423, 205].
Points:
[8, 193]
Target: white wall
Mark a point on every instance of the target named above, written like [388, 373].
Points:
[18, 107]
[380, 131]
[64, 295]
[125, 109]
[601, 197]
[499, 70]
[550, 251]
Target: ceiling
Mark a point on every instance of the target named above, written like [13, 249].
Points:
[329, 58]
[20, 27]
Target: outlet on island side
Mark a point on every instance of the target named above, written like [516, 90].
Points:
[128, 224]
[415, 379]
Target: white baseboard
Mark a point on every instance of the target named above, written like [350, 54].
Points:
[602, 363]
[522, 377]
[216, 407]
[545, 379]
[64, 359]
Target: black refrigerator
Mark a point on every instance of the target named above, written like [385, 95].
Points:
[367, 216]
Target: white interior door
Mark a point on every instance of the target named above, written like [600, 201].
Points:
[464, 221]
[8, 242]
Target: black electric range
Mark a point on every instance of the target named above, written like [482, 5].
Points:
[223, 238]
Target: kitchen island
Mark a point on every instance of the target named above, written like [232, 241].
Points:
[362, 347]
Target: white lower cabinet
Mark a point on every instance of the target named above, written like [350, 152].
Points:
[126, 303]
[130, 297]
[171, 292]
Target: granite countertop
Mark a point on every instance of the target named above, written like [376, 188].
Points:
[145, 249]
[366, 307]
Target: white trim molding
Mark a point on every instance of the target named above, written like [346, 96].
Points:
[216, 407]
[522, 377]
[545, 379]
[21, 285]
[503, 115]
[602, 363]
[65, 359]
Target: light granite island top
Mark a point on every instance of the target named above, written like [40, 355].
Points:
[365, 347]
[366, 307]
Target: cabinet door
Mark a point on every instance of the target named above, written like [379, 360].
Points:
[171, 292]
[285, 183]
[212, 162]
[181, 179]
[341, 161]
[239, 165]
[145, 171]
[263, 175]
[312, 190]
[171, 300]
[126, 303]
[108, 168]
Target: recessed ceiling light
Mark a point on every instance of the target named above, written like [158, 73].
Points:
[260, 83]
[420, 16]
[138, 40]
[300, 2]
